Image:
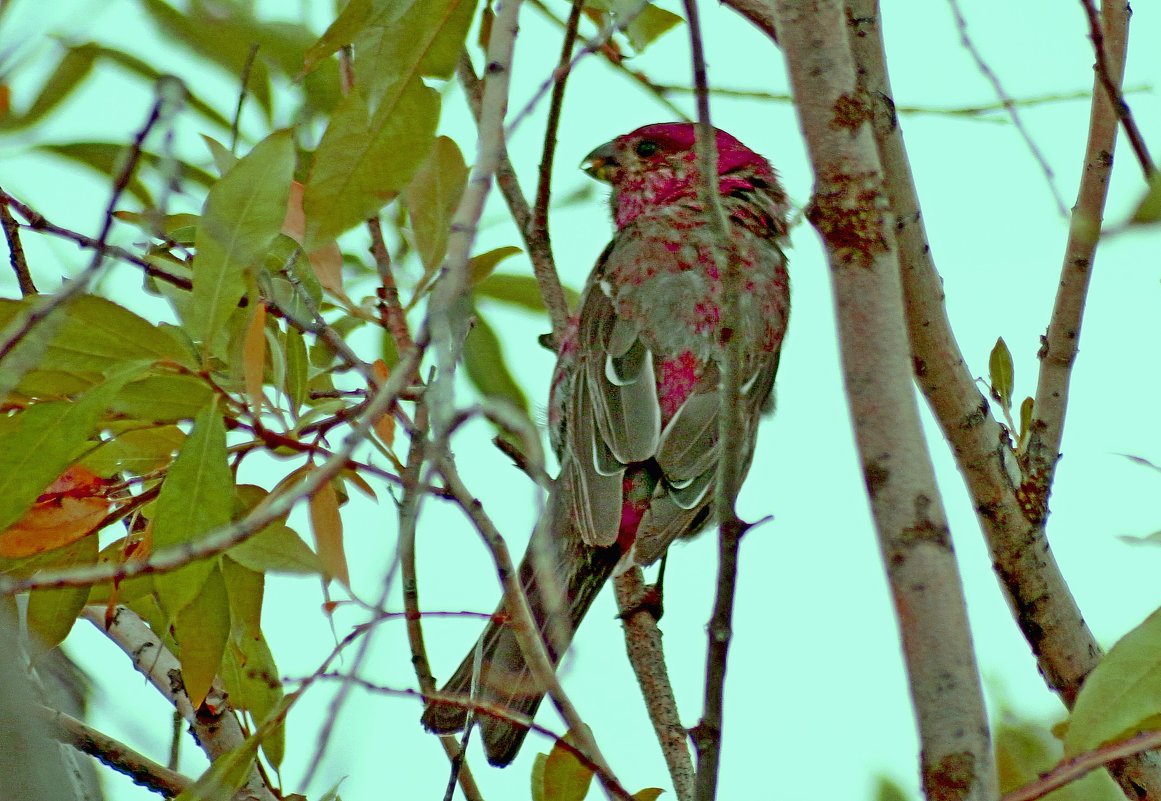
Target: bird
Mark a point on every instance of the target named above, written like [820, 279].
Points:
[634, 399]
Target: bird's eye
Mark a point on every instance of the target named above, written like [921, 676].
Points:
[646, 148]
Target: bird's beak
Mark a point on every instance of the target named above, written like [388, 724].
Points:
[601, 163]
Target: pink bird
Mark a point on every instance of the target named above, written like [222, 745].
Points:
[633, 411]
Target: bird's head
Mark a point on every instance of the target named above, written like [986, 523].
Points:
[656, 165]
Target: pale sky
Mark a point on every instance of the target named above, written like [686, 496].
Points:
[815, 680]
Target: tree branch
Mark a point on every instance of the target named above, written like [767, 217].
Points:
[15, 249]
[118, 756]
[707, 735]
[1110, 72]
[1038, 596]
[524, 627]
[849, 210]
[643, 645]
[213, 725]
[539, 253]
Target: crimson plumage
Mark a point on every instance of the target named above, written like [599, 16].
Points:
[634, 400]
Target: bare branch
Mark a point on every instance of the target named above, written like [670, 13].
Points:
[524, 627]
[643, 645]
[1072, 769]
[707, 735]
[1110, 71]
[850, 211]
[170, 93]
[1009, 104]
[391, 314]
[35, 221]
[15, 249]
[214, 725]
[539, 221]
[118, 756]
[1041, 601]
[543, 266]
[638, 77]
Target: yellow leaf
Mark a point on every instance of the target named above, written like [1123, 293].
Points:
[327, 524]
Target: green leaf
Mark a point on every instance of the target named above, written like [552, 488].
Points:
[163, 398]
[404, 40]
[537, 777]
[197, 497]
[1025, 749]
[226, 774]
[137, 451]
[106, 159]
[74, 66]
[565, 778]
[251, 676]
[483, 264]
[37, 444]
[887, 790]
[364, 160]
[1027, 407]
[519, 290]
[342, 31]
[1149, 209]
[1002, 373]
[240, 220]
[201, 629]
[648, 794]
[51, 613]
[1122, 693]
[486, 367]
[96, 335]
[276, 548]
[217, 34]
[297, 369]
[152, 74]
[650, 24]
[431, 199]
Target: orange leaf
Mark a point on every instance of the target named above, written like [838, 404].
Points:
[327, 525]
[70, 508]
[384, 424]
[327, 261]
[254, 357]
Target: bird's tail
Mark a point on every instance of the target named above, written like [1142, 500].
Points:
[570, 571]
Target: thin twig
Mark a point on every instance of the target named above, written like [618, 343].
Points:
[1070, 770]
[449, 309]
[543, 265]
[758, 12]
[391, 314]
[638, 77]
[707, 734]
[1009, 104]
[113, 753]
[1110, 75]
[35, 221]
[170, 93]
[243, 91]
[15, 249]
[623, 20]
[524, 627]
[544, 185]
[981, 112]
